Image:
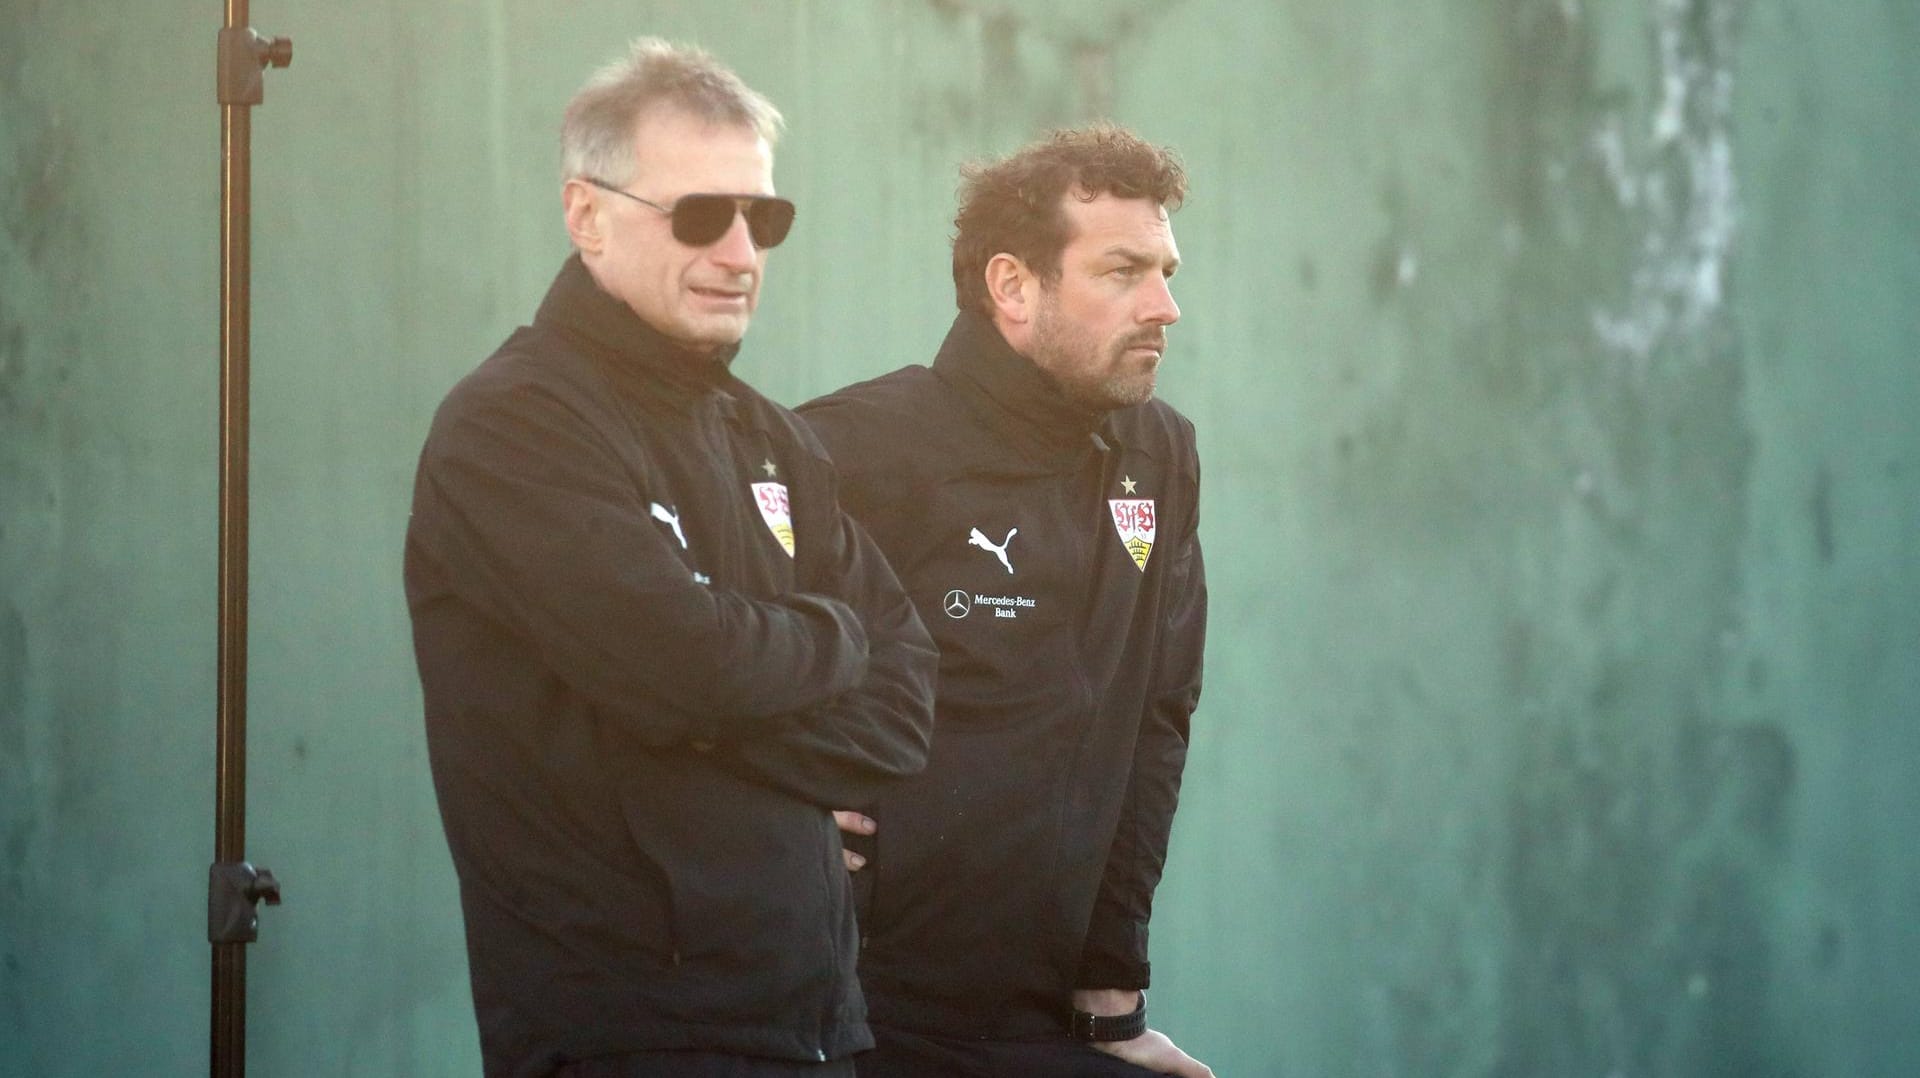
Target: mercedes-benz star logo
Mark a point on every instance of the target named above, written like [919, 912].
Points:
[958, 603]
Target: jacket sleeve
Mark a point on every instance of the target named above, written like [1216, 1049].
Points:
[1115, 954]
[524, 512]
[841, 752]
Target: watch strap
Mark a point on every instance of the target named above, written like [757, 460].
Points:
[1103, 1028]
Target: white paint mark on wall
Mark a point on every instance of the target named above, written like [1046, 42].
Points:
[1677, 287]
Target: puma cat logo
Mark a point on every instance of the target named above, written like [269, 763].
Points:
[998, 550]
[671, 519]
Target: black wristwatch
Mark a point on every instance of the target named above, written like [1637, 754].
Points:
[1108, 1027]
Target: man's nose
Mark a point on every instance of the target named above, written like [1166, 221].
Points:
[734, 251]
[1160, 309]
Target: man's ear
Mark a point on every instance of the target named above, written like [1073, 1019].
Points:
[1012, 288]
[582, 210]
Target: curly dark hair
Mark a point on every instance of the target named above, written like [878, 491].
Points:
[1013, 205]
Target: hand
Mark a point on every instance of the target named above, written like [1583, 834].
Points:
[854, 824]
[1155, 1052]
[1152, 1049]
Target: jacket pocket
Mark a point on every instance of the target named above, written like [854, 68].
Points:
[754, 919]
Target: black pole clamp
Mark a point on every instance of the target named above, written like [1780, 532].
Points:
[244, 54]
[234, 891]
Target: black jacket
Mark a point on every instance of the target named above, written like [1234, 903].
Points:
[1022, 863]
[641, 703]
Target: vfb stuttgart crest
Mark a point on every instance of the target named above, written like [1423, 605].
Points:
[1133, 519]
[776, 511]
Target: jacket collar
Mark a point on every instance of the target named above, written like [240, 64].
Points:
[1011, 394]
[637, 357]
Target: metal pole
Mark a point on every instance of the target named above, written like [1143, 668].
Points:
[230, 773]
[234, 886]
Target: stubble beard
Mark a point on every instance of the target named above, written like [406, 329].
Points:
[1092, 374]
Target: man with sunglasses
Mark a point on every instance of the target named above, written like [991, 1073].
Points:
[654, 650]
[1041, 509]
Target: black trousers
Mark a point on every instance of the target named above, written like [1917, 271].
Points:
[910, 1055]
[703, 1065]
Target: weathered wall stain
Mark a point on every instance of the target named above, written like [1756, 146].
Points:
[18, 821]
[1644, 827]
[44, 275]
[1686, 190]
[14, 762]
[1038, 66]
[13, 366]
[1820, 513]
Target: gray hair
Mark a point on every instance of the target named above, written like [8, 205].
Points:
[596, 136]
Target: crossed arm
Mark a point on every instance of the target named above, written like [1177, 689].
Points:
[530, 517]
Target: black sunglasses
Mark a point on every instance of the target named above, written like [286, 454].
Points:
[699, 220]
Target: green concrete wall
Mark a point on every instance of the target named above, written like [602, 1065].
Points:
[1554, 363]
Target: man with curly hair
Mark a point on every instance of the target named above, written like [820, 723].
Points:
[1041, 508]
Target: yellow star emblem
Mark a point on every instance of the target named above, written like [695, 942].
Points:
[769, 468]
[1127, 484]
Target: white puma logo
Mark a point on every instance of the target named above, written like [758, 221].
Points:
[998, 550]
[671, 519]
